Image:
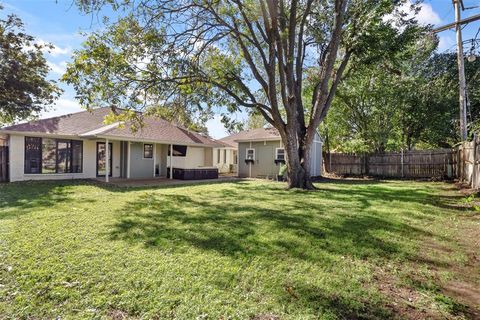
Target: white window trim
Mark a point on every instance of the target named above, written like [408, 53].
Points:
[276, 153]
[143, 151]
[246, 153]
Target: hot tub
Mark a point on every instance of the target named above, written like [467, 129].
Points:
[199, 173]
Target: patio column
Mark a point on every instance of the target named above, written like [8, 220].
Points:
[128, 160]
[107, 161]
[154, 158]
[171, 157]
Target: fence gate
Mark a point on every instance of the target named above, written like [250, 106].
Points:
[3, 163]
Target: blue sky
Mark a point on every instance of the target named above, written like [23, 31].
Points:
[60, 23]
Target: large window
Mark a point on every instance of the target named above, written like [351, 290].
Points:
[148, 151]
[178, 151]
[44, 155]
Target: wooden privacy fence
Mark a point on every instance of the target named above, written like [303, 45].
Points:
[439, 163]
[468, 158]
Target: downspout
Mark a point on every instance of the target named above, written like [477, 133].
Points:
[128, 160]
[171, 157]
[107, 161]
[250, 163]
[154, 157]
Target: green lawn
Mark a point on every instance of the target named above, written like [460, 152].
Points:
[244, 250]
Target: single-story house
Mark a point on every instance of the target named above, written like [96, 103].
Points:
[74, 146]
[261, 152]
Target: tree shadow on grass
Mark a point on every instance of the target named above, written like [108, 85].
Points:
[249, 230]
[233, 228]
[20, 198]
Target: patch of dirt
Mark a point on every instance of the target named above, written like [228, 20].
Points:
[464, 285]
[403, 301]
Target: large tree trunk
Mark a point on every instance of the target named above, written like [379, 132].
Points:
[298, 162]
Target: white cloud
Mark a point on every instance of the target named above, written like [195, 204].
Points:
[58, 68]
[54, 51]
[425, 16]
[62, 106]
[215, 127]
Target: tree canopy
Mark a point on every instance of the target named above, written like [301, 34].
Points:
[252, 54]
[380, 110]
[24, 88]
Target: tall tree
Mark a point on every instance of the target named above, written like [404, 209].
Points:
[24, 88]
[235, 53]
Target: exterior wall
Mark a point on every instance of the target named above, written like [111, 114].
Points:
[316, 161]
[139, 167]
[208, 157]
[164, 160]
[115, 158]
[264, 166]
[194, 158]
[17, 160]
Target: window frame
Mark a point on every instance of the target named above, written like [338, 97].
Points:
[276, 154]
[147, 144]
[246, 154]
[68, 164]
[277, 160]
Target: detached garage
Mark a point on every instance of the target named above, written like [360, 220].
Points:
[261, 153]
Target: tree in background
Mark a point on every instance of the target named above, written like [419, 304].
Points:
[238, 54]
[24, 89]
[412, 104]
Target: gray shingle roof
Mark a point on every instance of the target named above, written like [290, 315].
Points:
[252, 135]
[88, 123]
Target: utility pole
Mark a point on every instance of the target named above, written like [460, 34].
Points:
[461, 71]
[458, 6]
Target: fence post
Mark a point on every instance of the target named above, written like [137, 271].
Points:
[402, 163]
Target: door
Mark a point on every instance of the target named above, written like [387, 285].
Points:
[101, 163]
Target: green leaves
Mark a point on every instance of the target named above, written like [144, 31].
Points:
[24, 89]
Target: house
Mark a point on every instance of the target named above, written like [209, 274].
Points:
[260, 153]
[73, 146]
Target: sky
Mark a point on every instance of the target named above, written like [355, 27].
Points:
[60, 23]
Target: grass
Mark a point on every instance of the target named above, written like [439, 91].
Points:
[244, 250]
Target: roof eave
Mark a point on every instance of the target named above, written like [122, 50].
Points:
[133, 139]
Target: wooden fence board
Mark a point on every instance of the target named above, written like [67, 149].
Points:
[409, 164]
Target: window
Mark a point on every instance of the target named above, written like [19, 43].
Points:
[33, 155]
[148, 151]
[280, 154]
[250, 154]
[178, 151]
[224, 155]
[44, 155]
[218, 156]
